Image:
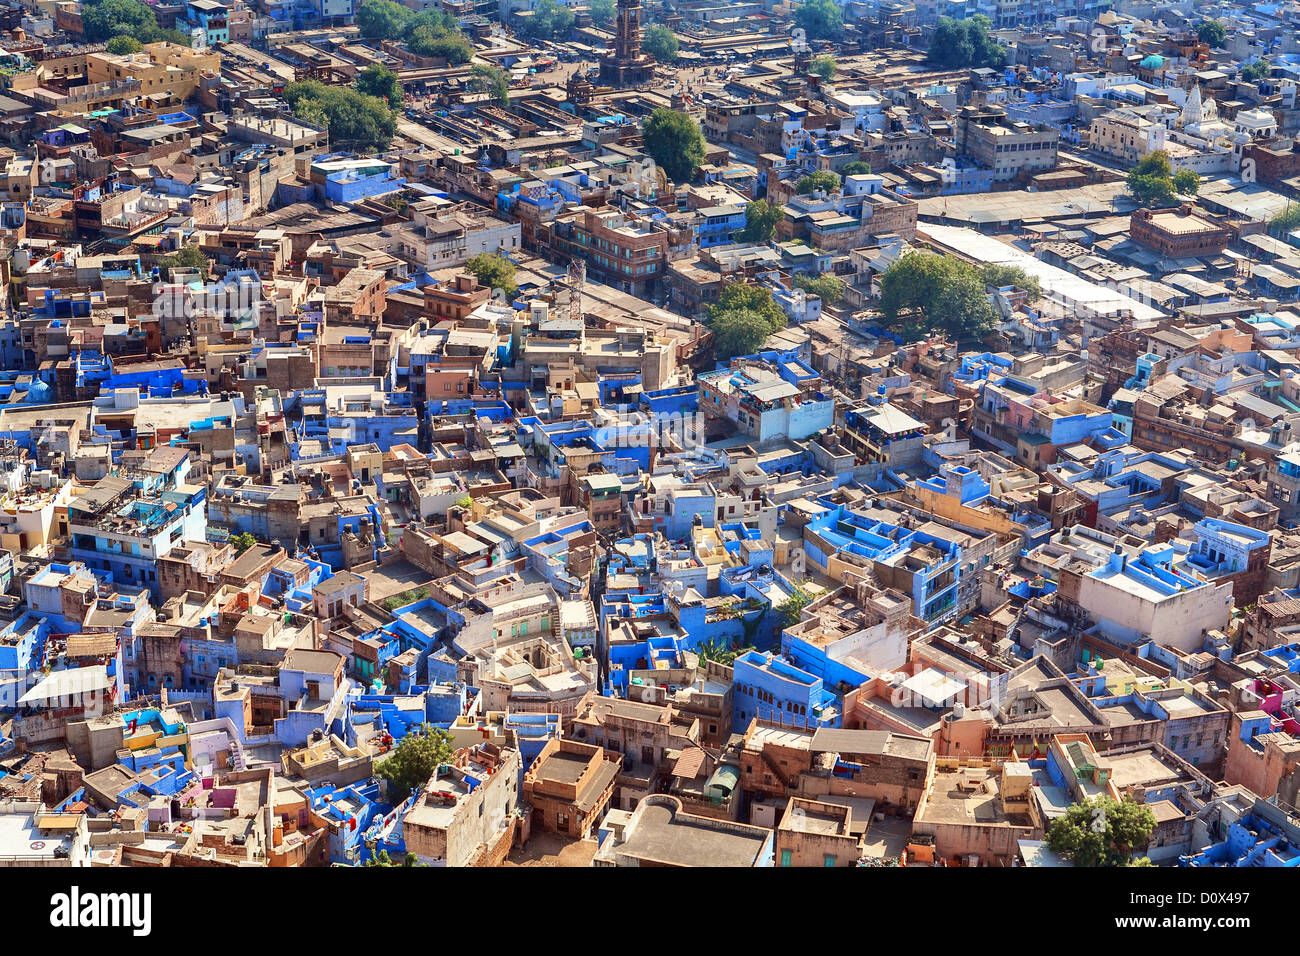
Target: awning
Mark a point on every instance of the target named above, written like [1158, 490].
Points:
[69, 685]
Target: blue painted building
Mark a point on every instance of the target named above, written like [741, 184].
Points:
[772, 689]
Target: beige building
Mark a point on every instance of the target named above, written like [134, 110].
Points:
[812, 833]
[1008, 148]
[158, 68]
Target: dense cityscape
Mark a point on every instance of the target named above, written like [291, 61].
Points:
[623, 433]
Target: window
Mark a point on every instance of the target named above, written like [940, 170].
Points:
[828, 860]
[785, 857]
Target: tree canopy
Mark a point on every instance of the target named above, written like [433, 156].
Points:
[122, 46]
[103, 20]
[602, 11]
[722, 652]
[494, 271]
[923, 291]
[996, 276]
[820, 20]
[493, 80]
[1151, 181]
[384, 19]
[1285, 222]
[242, 541]
[549, 21]
[1212, 32]
[827, 288]
[742, 318]
[356, 121]
[434, 37]
[661, 43]
[378, 80]
[961, 44]
[822, 179]
[1187, 182]
[674, 141]
[187, 259]
[738, 332]
[855, 168]
[431, 33]
[1102, 832]
[790, 610]
[414, 759]
[761, 219]
[1256, 70]
[823, 66]
[383, 859]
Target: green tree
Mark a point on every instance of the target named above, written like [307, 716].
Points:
[1187, 182]
[820, 20]
[171, 36]
[492, 80]
[549, 21]
[414, 760]
[996, 276]
[1212, 32]
[823, 66]
[109, 18]
[384, 20]
[242, 542]
[742, 296]
[856, 168]
[790, 610]
[123, 46]
[187, 259]
[378, 80]
[742, 319]
[715, 650]
[602, 11]
[923, 291]
[309, 111]
[761, 219]
[383, 859]
[356, 121]
[738, 332]
[494, 271]
[1151, 181]
[674, 141]
[660, 43]
[963, 44]
[1256, 71]
[822, 179]
[827, 288]
[436, 35]
[1285, 222]
[1102, 832]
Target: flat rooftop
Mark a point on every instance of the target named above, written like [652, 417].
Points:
[680, 839]
[561, 767]
[953, 800]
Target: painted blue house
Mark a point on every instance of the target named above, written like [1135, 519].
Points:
[772, 689]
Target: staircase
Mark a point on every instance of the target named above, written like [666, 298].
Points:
[776, 770]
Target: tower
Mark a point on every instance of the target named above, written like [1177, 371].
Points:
[627, 42]
[627, 65]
